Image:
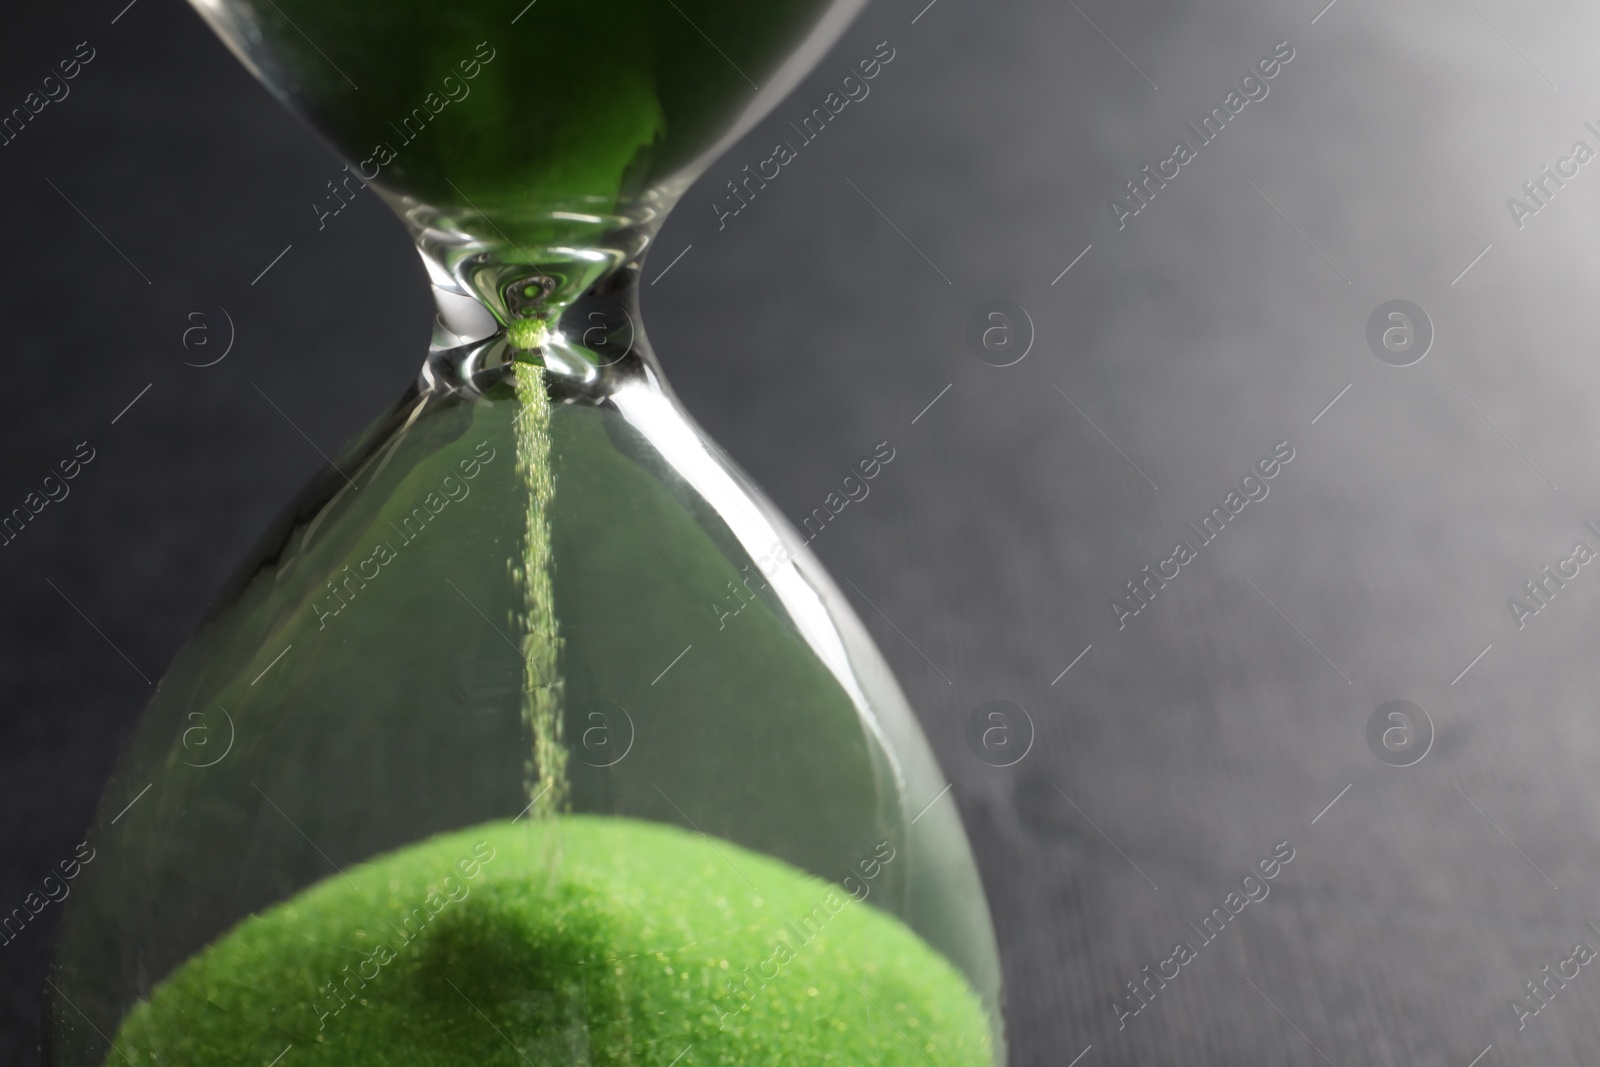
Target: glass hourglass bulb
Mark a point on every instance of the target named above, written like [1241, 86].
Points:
[532, 734]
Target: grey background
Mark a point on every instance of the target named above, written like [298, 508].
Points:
[1176, 353]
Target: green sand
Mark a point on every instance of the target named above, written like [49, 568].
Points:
[550, 134]
[571, 940]
[581, 105]
[545, 777]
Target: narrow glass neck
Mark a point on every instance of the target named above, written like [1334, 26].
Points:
[590, 343]
[527, 277]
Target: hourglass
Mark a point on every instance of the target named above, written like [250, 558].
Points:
[532, 734]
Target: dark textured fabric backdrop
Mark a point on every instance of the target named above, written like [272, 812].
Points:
[1182, 346]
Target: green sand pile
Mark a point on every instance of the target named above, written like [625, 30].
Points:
[547, 131]
[505, 104]
[574, 940]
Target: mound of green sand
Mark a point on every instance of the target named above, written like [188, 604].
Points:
[508, 105]
[574, 940]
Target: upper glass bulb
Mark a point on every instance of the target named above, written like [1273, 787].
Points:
[551, 133]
